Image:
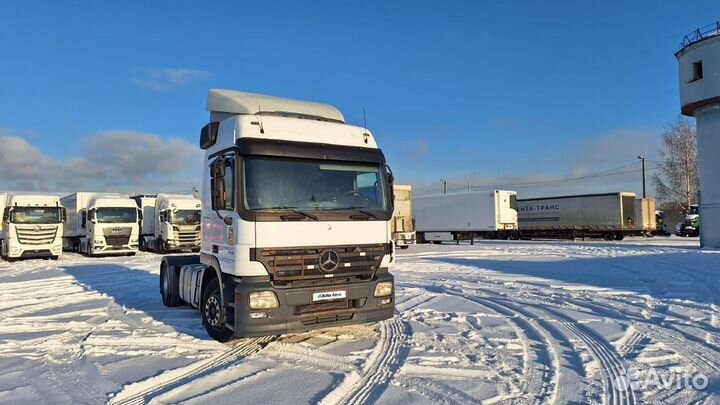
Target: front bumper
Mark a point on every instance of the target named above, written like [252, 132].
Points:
[113, 250]
[297, 312]
[19, 251]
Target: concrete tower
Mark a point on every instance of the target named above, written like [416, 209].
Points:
[699, 59]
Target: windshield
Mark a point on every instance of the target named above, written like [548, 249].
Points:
[185, 217]
[117, 215]
[36, 215]
[694, 210]
[313, 185]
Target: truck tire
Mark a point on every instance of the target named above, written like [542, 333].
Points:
[619, 236]
[169, 285]
[608, 236]
[213, 315]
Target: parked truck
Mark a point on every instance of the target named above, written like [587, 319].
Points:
[171, 222]
[101, 224]
[466, 216]
[32, 226]
[690, 226]
[611, 216]
[403, 223]
[296, 210]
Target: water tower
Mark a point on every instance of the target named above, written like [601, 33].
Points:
[699, 59]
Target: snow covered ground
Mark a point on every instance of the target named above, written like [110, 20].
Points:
[498, 322]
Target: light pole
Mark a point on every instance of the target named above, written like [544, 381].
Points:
[444, 182]
[644, 174]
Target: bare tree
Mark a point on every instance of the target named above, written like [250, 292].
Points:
[677, 179]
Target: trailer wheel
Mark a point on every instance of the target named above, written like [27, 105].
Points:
[169, 286]
[213, 315]
[619, 236]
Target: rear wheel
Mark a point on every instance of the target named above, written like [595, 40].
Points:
[169, 286]
[619, 236]
[609, 236]
[213, 315]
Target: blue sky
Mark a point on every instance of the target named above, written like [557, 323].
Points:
[491, 92]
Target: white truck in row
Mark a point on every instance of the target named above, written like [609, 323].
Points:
[170, 222]
[296, 210]
[466, 216]
[101, 224]
[611, 216]
[32, 226]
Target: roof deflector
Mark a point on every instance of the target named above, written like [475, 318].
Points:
[238, 102]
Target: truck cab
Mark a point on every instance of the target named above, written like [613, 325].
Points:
[296, 209]
[101, 224]
[32, 226]
[171, 222]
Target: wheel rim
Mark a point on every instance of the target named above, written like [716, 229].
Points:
[212, 311]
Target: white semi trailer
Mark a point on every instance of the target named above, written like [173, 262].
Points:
[403, 223]
[32, 226]
[171, 222]
[611, 216]
[296, 209]
[101, 224]
[466, 216]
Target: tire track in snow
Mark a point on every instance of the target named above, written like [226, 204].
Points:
[386, 360]
[142, 392]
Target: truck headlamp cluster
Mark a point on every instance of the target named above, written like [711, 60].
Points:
[263, 300]
[383, 289]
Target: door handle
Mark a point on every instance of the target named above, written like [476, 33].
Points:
[214, 248]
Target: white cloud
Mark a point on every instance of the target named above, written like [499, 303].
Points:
[108, 161]
[162, 79]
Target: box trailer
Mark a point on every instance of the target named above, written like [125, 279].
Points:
[611, 216]
[403, 224]
[645, 217]
[466, 216]
[101, 224]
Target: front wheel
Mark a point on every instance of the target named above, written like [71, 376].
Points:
[169, 286]
[213, 315]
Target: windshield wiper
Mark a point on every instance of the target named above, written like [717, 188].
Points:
[294, 210]
[356, 209]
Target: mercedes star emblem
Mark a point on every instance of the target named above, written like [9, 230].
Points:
[329, 260]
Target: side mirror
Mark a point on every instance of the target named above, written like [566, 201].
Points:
[140, 215]
[83, 221]
[91, 216]
[6, 214]
[63, 212]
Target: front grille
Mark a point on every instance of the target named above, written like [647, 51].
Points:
[322, 307]
[288, 264]
[117, 240]
[187, 238]
[42, 236]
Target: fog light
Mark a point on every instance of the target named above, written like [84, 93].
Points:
[385, 301]
[258, 315]
[98, 242]
[263, 300]
[383, 289]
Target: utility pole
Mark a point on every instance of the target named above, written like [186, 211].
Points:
[644, 174]
[444, 182]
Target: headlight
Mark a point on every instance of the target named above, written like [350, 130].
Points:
[383, 289]
[98, 242]
[263, 300]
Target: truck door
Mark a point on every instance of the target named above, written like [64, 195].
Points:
[224, 203]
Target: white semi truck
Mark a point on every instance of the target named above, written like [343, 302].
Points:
[403, 223]
[296, 209]
[611, 216]
[466, 216]
[101, 224]
[171, 222]
[32, 226]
